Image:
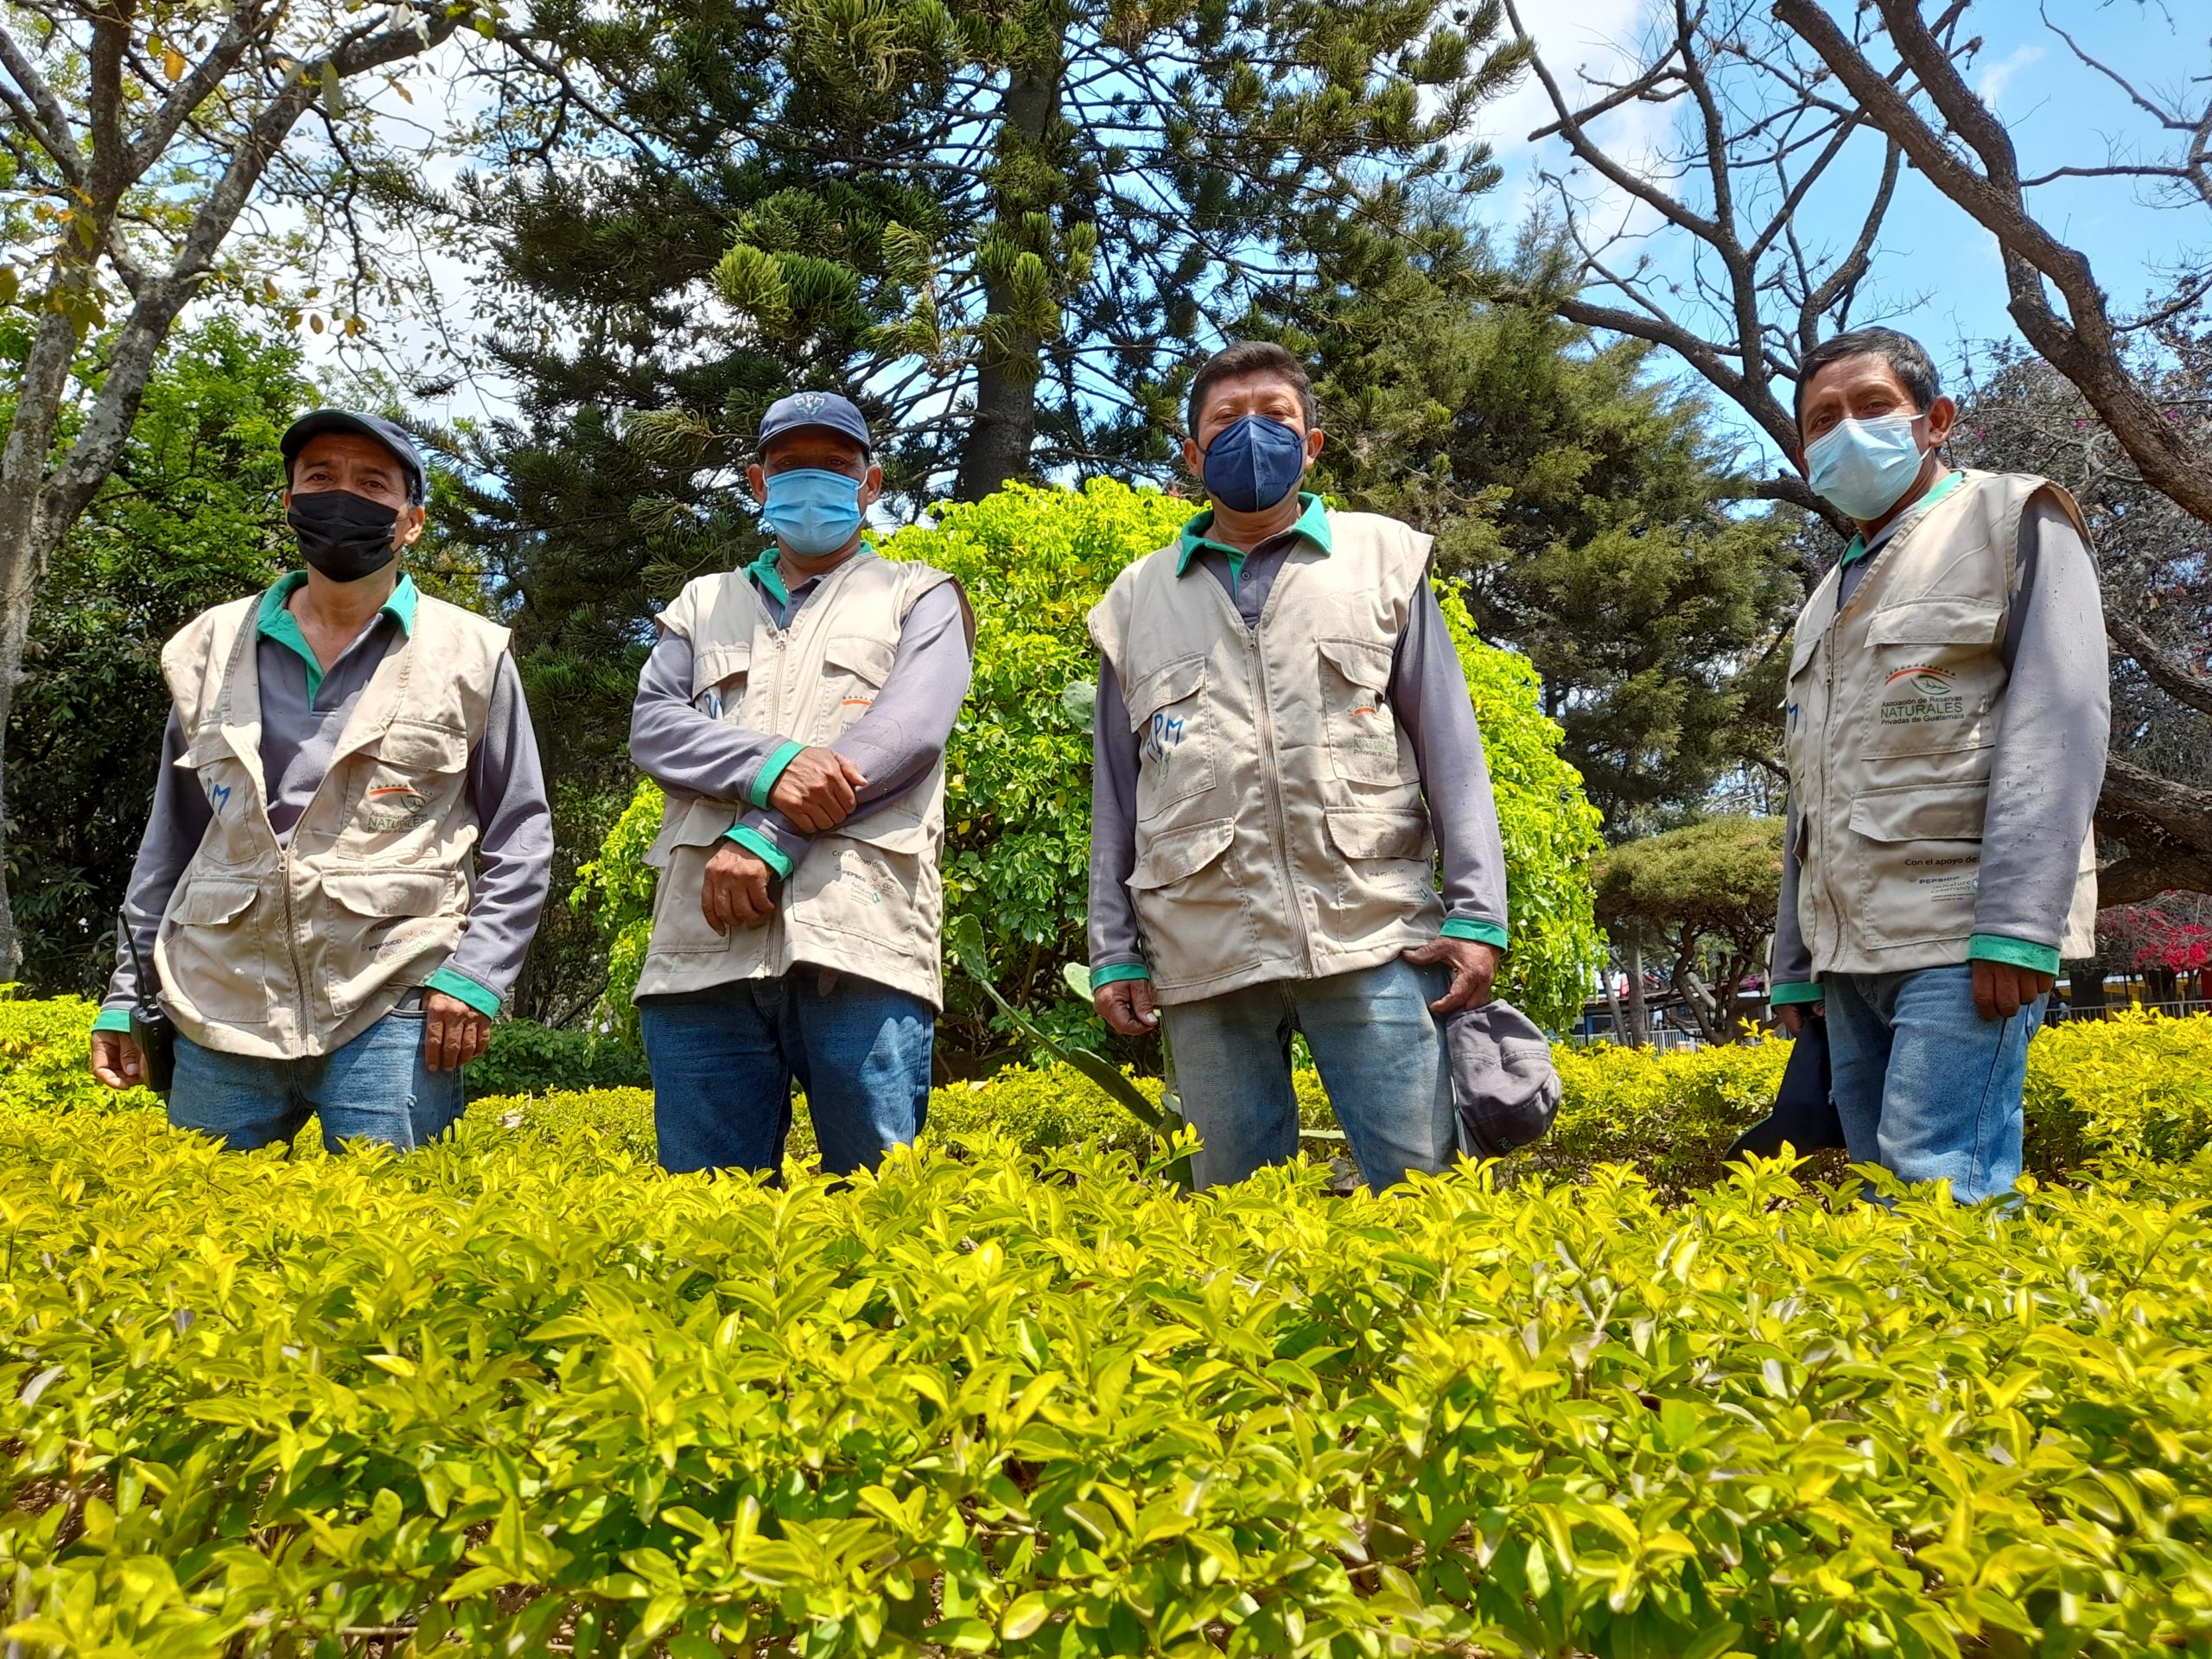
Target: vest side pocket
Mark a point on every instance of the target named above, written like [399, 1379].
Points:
[1918, 860]
[1191, 908]
[692, 831]
[1175, 749]
[1365, 744]
[213, 952]
[381, 923]
[1385, 877]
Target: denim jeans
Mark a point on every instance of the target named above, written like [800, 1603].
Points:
[375, 1088]
[1924, 1085]
[723, 1060]
[1375, 1043]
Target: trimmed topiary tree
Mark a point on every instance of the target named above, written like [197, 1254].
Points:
[1018, 774]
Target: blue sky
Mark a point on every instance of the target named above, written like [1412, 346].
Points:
[1937, 273]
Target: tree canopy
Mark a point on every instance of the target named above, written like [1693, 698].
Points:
[1708, 893]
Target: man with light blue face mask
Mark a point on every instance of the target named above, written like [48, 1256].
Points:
[1946, 725]
[796, 712]
[1285, 753]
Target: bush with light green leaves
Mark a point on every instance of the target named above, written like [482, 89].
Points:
[1018, 796]
[519, 1392]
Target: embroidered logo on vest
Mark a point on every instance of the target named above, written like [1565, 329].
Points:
[394, 806]
[1927, 695]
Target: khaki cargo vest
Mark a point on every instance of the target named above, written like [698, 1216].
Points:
[867, 900]
[1281, 832]
[1892, 722]
[283, 951]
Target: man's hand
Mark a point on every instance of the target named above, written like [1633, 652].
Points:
[453, 1032]
[2000, 990]
[735, 891]
[1474, 967]
[115, 1059]
[1127, 1007]
[815, 791]
[1793, 1017]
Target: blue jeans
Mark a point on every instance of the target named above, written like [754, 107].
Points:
[1375, 1043]
[375, 1088]
[723, 1060]
[1924, 1085]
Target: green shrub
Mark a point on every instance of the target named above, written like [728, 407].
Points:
[521, 1388]
[45, 1058]
[1018, 770]
[527, 1058]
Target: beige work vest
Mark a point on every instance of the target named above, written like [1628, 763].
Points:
[283, 951]
[1281, 832]
[867, 898]
[1891, 722]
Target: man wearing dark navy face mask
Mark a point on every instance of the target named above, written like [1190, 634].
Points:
[1284, 743]
[350, 842]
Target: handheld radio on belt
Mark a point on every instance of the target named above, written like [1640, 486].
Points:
[149, 1026]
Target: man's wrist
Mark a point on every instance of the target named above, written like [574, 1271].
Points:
[760, 846]
[462, 989]
[1797, 991]
[1477, 932]
[2016, 953]
[112, 1019]
[764, 781]
[1114, 972]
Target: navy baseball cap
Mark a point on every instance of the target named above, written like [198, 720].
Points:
[394, 438]
[824, 409]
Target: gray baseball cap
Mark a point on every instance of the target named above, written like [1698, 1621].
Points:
[393, 437]
[824, 409]
[1504, 1085]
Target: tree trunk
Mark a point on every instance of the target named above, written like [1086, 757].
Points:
[997, 450]
[1613, 1004]
[1639, 1016]
[2085, 989]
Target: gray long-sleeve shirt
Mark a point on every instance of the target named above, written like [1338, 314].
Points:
[1427, 692]
[682, 748]
[2049, 762]
[506, 789]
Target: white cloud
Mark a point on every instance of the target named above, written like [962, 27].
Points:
[1998, 75]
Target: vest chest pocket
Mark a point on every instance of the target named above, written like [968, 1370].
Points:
[397, 792]
[1175, 749]
[223, 779]
[1364, 745]
[719, 674]
[1937, 683]
[855, 668]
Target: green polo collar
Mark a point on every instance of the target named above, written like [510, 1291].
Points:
[764, 571]
[1312, 524]
[276, 621]
[1944, 486]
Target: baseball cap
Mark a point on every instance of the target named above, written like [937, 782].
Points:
[805, 408]
[1504, 1085]
[394, 438]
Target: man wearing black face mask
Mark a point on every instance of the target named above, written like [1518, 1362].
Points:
[1285, 744]
[350, 842]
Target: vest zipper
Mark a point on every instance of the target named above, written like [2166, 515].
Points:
[1279, 821]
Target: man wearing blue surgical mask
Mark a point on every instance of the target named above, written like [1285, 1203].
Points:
[796, 712]
[1946, 726]
[1284, 746]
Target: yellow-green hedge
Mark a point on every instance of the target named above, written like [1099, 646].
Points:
[520, 1389]
[2138, 1083]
